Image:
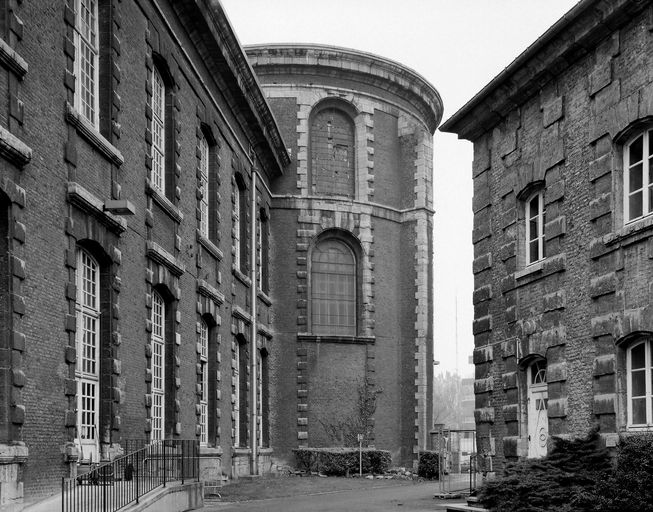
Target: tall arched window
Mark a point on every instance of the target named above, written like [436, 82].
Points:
[333, 288]
[158, 366]
[332, 153]
[639, 361]
[88, 349]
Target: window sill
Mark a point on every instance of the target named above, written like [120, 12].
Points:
[10, 59]
[240, 276]
[166, 205]
[87, 202]
[158, 254]
[264, 297]
[210, 247]
[241, 451]
[93, 137]
[203, 288]
[13, 149]
[330, 338]
[530, 269]
[210, 451]
[631, 233]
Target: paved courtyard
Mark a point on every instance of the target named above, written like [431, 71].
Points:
[331, 495]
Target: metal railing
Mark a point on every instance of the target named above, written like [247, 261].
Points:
[109, 487]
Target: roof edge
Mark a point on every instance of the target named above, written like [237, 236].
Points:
[352, 61]
[499, 96]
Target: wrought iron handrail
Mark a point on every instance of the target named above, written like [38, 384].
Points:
[109, 487]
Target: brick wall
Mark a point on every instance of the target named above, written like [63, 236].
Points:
[593, 288]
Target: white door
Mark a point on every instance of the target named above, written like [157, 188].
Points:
[538, 419]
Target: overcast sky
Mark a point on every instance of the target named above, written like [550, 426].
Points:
[458, 46]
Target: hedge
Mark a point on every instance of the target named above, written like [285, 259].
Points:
[428, 465]
[341, 461]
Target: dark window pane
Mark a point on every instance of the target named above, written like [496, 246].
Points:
[635, 153]
[635, 205]
[534, 251]
[636, 177]
[533, 230]
[533, 207]
[639, 411]
[638, 383]
[638, 356]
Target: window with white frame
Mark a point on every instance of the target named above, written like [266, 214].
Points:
[87, 373]
[236, 231]
[639, 363]
[333, 288]
[158, 366]
[87, 60]
[535, 246]
[203, 342]
[157, 127]
[204, 186]
[638, 177]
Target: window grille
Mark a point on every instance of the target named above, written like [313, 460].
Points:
[86, 60]
[158, 131]
[203, 336]
[88, 350]
[204, 187]
[333, 289]
[158, 366]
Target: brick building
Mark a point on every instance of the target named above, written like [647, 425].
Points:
[352, 222]
[112, 326]
[563, 233]
[147, 233]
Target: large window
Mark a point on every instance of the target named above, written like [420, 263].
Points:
[87, 60]
[332, 153]
[158, 366]
[639, 362]
[638, 177]
[264, 243]
[157, 128]
[88, 349]
[203, 342]
[240, 225]
[204, 186]
[333, 288]
[535, 247]
[241, 374]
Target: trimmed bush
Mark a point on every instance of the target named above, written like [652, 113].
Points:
[428, 465]
[341, 461]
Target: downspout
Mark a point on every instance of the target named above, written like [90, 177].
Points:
[253, 339]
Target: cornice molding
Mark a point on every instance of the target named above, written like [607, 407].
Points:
[354, 65]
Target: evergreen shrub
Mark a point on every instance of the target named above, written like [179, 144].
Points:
[341, 461]
[428, 465]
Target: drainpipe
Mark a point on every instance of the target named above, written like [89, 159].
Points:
[253, 341]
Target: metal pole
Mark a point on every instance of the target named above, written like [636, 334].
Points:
[253, 342]
[360, 455]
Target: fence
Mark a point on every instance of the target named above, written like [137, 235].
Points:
[457, 460]
[111, 486]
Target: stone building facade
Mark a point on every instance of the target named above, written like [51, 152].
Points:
[144, 326]
[563, 234]
[352, 219]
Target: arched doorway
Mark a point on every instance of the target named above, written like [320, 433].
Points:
[537, 401]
